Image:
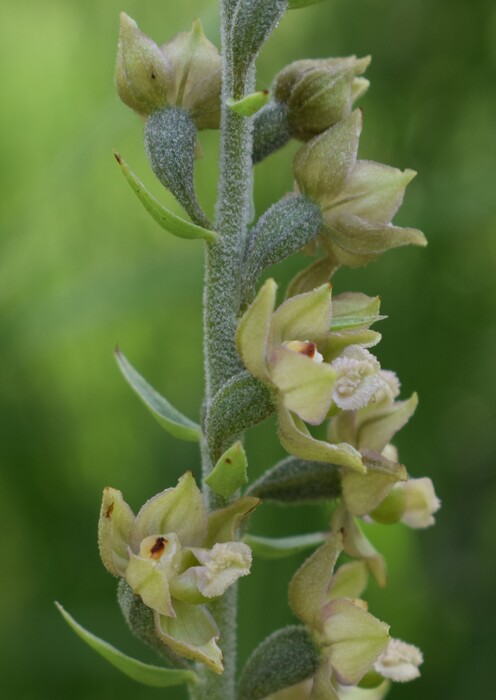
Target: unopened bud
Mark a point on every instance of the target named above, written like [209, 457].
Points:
[195, 66]
[185, 72]
[141, 72]
[319, 93]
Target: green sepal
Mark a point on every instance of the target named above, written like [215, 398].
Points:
[281, 547]
[250, 104]
[230, 472]
[240, 403]
[169, 418]
[286, 658]
[282, 230]
[308, 587]
[170, 222]
[295, 480]
[137, 670]
[363, 493]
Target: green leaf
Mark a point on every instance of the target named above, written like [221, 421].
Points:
[229, 474]
[167, 220]
[250, 104]
[280, 547]
[285, 658]
[137, 670]
[168, 417]
[296, 480]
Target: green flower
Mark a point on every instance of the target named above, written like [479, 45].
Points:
[185, 72]
[177, 558]
[358, 198]
[350, 639]
[313, 368]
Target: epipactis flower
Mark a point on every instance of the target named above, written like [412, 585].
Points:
[312, 366]
[177, 558]
[358, 198]
[185, 72]
[349, 637]
[319, 93]
[370, 429]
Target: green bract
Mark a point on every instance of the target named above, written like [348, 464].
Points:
[176, 558]
[293, 349]
[358, 198]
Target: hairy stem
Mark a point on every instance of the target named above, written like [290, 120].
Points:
[222, 298]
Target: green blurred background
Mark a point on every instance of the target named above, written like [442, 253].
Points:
[82, 267]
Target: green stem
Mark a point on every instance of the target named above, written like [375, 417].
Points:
[222, 298]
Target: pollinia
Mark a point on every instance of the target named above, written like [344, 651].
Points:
[304, 353]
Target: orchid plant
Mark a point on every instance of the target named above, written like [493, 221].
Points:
[306, 357]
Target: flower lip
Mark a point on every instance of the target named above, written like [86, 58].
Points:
[158, 548]
[305, 347]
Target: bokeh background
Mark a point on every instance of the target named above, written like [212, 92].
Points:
[82, 267]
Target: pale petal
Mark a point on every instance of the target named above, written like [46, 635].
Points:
[150, 582]
[353, 639]
[421, 503]
[399, 662]
[305, 385]
[224, 564]
[349, 581]
[379, 425]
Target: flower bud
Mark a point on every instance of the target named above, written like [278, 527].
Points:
[196, 67]
[185, 72]
[319, 93]
[141, 73]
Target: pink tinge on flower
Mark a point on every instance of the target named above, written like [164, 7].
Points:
[359, 378]
[399, 662]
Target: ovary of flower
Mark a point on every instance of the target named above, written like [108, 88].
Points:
[359, 378]
[221, 567]
[399, 662]
[306, 348]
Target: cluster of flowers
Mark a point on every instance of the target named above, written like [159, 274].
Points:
[313, 352]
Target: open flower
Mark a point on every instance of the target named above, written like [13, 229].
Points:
[313, 367]
[177, 558]
[350, 639]
[358, 198]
